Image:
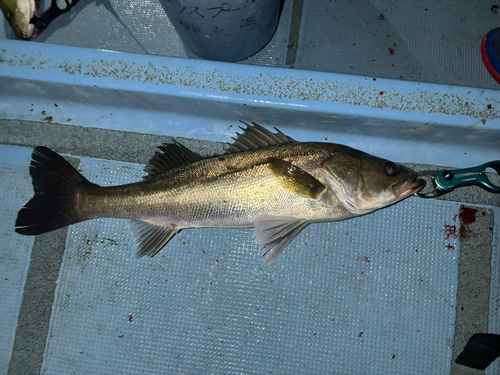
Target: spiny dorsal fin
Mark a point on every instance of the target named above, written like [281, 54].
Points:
[172, 155]
[256, 136]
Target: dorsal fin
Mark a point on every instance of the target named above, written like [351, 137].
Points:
[172, 155]
[175, 155]
[256, 136]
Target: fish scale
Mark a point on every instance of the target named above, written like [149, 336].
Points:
[229, 191]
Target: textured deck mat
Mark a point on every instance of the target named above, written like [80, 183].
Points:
[15, 188]
[494, 318]
[370, 295]
[427, 41]
[142, 26]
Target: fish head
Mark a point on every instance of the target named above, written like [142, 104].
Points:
[19, 14]
[364, 183]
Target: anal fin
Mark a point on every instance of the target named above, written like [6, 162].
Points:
[150, 238]
[274, 233]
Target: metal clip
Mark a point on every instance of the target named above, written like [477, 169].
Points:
[445, 181]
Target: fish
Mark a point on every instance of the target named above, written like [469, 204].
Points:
[23, 17]
[18, 14]
[264, 180]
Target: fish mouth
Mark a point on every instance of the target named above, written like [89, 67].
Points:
[405, 188]
[30, 27]
[21, 24]
[24, 32]
[29, 31]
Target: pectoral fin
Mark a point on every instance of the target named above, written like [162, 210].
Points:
[295, 179]
[151, 238]
[274, 233]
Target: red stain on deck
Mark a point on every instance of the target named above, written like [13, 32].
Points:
[467, 216]
[494, 9]
[450, 230]
[130, 318]
[450, 247]
[391, 51]
[374, 79]
[483, 121]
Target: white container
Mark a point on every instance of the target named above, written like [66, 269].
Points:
[224, 31]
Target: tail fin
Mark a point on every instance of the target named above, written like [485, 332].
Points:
[56, 184]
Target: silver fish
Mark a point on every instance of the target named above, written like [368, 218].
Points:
[264, 180]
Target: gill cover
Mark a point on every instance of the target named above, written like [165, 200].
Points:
[364, 183]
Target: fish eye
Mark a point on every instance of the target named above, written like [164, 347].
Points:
[8, 15]
[391, 168]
